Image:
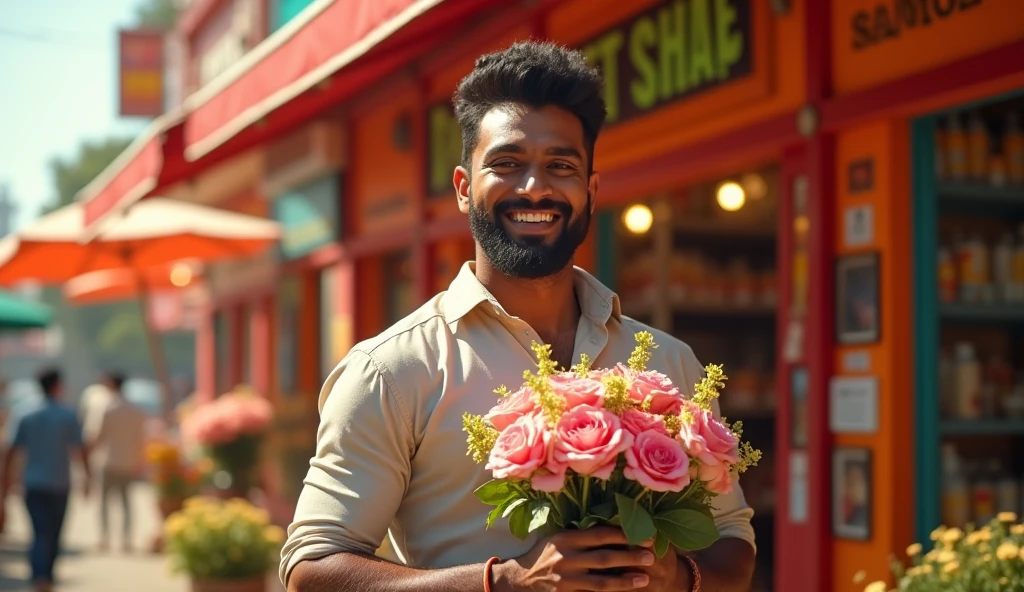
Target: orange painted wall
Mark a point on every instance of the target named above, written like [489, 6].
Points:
[974, 27]
[887, 143]
[384, 179]
[771, 90]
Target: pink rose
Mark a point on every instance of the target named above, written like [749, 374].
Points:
[664, 396]
[619, 369]
[511, 408]
[658, 462]
[708, 440]
[717, 478]
[521, 449]
[588, 440]
[635, 421]
[577, 391]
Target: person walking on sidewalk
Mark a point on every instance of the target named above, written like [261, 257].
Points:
[118, 454]
[48, 436]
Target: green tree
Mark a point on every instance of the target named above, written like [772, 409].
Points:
[70, 175]
[157, 14]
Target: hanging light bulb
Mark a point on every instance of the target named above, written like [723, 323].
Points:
[638, 218]
[731, 196]
[181, 275]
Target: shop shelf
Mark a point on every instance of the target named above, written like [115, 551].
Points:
[981, 199]
[989, 313]
[982, 427]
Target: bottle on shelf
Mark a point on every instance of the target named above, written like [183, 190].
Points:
[941, 151]
[1013, 405]
[1007, 490]
[1013, 149]
[968, 382]
[956, 144]
[1002, 268]
[948, 287]
[956, 499]
[983, 494]
[947, 384]
[973, 268]
[977, 149]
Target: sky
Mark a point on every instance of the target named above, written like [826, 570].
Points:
[58, 86]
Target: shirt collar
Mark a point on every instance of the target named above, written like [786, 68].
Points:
[597, 301]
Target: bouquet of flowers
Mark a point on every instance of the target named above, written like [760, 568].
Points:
[173, 477]
[618, 446]
[988, 559]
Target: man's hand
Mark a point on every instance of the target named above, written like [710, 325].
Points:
[564, 563]
[670, 574]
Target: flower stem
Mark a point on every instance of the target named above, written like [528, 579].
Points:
[586, 494]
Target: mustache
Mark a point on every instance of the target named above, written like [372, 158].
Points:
[524, 204]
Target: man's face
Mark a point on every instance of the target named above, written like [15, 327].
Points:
[530, 196]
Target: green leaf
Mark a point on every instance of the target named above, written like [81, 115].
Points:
[605, 510]
[541, 515]
[661, 544]
[499, 510]
[519, 521]
[516, 502]
[636, 522]
[689, 530]
[586, 523]
[494, 492]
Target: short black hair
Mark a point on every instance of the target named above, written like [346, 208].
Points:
[116, 378]
[534, 73]
[49, 379]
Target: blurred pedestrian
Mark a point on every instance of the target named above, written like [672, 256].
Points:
[48, 436]
[93, 404]
[118, 457]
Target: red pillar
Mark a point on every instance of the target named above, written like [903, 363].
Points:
[206, 357]
[259, 348]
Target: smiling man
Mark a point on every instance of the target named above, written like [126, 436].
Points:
[391, 455]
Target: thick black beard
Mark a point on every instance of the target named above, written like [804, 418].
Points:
[530, 257]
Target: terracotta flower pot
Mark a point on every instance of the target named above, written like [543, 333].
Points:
[246, 585]
[169, 505]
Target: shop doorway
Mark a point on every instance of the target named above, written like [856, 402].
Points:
[700, 263]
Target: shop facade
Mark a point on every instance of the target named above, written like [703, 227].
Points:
[770, 194]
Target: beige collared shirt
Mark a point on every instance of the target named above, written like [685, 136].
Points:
[391, 454]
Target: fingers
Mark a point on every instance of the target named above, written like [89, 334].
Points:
[598, 536]
[602, 583]
[611, 558]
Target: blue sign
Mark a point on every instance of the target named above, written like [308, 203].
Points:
[282, 11]
[309, 216]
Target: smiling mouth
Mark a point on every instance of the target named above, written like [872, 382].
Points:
[533, 217]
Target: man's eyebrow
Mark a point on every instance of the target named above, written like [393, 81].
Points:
[504, 148]
[564, 151]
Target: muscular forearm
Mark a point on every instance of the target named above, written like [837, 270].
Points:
[350, 572]
[726, 566]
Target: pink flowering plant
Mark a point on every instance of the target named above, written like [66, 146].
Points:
[618, 446]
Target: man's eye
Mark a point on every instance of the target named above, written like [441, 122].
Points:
[504, 164]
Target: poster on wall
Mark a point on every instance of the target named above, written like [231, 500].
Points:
[851, 493]
[309, 215]
[853, 405]
[858, 310]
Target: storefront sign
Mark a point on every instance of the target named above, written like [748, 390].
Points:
[233, 277]
[141, 81]
[225, 39]
[309, 216]
[878, 41]
[672, 51]
[888, 20]
[853, 405]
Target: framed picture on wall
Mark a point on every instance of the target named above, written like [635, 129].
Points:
[851, 493]
[858, 307]
[799, 418]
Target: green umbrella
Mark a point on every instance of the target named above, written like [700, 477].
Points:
[16, 313]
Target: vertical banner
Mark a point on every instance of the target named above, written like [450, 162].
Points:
[141, 73]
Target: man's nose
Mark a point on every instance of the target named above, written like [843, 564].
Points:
[534, 186]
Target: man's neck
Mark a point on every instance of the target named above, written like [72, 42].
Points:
[548, 305]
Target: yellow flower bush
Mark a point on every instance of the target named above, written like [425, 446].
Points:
[211, 539]
[988, 559]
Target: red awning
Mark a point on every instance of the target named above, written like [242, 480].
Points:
[133, 174]
[324, 39]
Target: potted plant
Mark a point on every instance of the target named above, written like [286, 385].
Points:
[173, 479]
[988, 559]
[231, 429]
[223, 545]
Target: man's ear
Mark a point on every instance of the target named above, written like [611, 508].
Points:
[593, 185]
[461, 181]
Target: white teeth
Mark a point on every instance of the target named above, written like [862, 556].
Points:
[532, 217]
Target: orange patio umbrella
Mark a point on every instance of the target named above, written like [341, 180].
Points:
[111, 285]
[152, 233]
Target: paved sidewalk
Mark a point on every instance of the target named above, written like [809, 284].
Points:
[81, 568]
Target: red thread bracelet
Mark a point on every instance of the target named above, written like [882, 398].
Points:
[487, 573]
[693, 569]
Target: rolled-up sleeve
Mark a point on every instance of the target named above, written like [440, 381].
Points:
[361, 469]
[731, 512]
